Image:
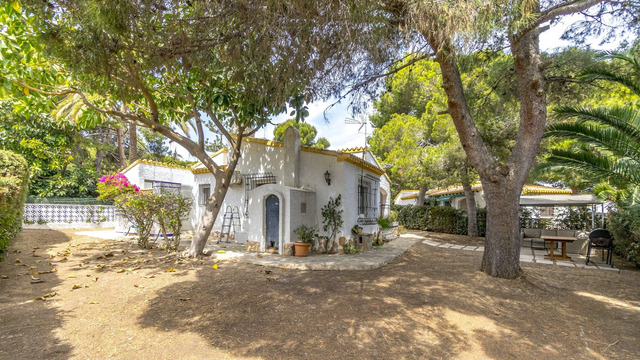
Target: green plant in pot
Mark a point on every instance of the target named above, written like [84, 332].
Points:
[305, 234]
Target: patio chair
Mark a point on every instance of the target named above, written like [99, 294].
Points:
[603, 240]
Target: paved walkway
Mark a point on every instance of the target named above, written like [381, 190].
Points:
[370, 259]
[527, 255]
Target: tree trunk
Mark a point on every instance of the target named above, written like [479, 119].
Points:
[502, 248]
[212, 208]
[97, 163]
[472, 226]
[133, 143]
[422, 191]
[502, 182]
[121, 157]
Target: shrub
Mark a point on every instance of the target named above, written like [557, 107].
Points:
[112, 186]
[332, 216]
[384, 223]
[141, 207]
[170, 209]
[625, 228]
[439, 219]
[306, 233]
[14, 180]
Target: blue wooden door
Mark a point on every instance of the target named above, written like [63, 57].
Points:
[272, 216]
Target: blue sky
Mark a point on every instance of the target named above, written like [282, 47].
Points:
[342, 135]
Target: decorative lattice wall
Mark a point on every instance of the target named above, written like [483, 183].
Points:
[61, 213]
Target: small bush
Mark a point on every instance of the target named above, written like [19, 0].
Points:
[306, 233]
[14, 180]
[625, 228]
[170, 209]
[141, 207]
[384, 223]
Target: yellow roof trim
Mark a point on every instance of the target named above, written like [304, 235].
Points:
[352, 150]
[156, 163]
[206, 171]
[410, 197]
[223, 150]
[400, 193]
[263, 141]
[526, 190]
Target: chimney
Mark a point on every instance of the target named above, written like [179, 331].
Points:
[291, 166]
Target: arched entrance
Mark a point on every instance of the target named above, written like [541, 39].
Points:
[272, 222]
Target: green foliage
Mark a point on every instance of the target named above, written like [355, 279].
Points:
[350, 248]
[384, 223]
[307, 134]
[332, 216]
[439, 219]
[306, 233]
[14, 181]
[625, 227]
[604, 141]
[147, 208]
[171, 209]
[142, 208]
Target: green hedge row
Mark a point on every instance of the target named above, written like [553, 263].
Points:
[625, 227]
[439, 219]
[14, 181]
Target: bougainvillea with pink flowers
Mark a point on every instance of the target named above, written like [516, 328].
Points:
[112, 186]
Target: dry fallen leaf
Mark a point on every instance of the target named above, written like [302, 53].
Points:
[185, 299]
[71, 276]
[31, 268]
[76, 286]
[34, 278]
[45, 296]
[121, 270]
[4, 277]
[100, 257]
[35, 255]
[93, 302]
[95, 279]
[18, 261]
[108, 255]
[37, 281]
[63, 258]
[149, 276]
[171, 270]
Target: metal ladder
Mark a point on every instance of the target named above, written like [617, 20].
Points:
[231, 218]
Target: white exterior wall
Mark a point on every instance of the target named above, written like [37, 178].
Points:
[260, 158]
[404, 193]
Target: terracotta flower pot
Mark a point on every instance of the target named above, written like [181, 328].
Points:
[302, 249]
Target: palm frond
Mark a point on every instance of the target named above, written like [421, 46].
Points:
[603, 139]
[622, 118]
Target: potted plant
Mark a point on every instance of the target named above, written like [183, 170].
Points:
[305, 236]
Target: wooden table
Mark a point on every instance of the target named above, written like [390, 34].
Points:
[561, 239]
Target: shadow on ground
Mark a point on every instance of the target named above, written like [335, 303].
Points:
[24, 319]
[429, 303]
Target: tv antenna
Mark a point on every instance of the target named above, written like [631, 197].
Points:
[362, 120]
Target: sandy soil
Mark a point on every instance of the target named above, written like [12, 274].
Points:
[430, 303]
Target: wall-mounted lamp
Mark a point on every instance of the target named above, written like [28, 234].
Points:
[327, 177]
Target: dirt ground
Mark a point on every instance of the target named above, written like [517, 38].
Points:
[108, 299]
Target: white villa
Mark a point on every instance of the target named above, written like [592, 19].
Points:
[277, 187]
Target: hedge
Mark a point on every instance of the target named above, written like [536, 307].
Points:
[14, 181]
[439, 219]
[625, 228]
